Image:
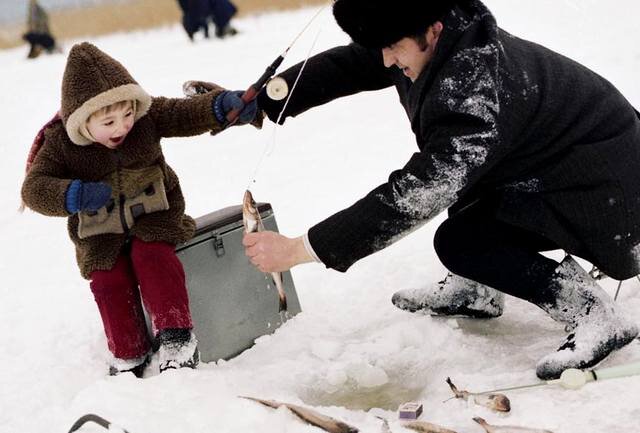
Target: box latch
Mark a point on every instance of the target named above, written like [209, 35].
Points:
[218, 245]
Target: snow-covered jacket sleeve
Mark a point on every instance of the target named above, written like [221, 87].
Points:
[184, 117]
[45, 186]
[338, 72]
[459, 141]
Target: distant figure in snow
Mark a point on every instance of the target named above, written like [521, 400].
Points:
[100, 165]
[221, 12]
[38, 34]
[196, 15]
[528, 151]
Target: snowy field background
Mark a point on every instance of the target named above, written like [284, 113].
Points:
[350, 353]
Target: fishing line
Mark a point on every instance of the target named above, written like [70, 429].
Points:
[269, 148]
[293, 88]
[308, 24]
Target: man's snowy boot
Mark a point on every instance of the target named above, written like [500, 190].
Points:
[597, 327]
[134, 365]
[453, 296]
[178, 348]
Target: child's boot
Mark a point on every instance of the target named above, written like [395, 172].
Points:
[178, 348]
[134, 365]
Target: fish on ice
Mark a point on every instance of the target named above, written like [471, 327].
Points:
[310, 416]
[506, 428]
[497, 402]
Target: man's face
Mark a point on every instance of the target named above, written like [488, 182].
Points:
[110, 129]
[410, 55]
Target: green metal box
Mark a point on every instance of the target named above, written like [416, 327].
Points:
[232, 303]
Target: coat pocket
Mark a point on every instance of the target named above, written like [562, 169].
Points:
[144, 193]
[104, 220]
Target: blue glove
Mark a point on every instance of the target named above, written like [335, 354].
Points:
[231, 99]
[87, 196]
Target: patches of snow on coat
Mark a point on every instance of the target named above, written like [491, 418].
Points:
[635, 251]
[530, 185]
[471, 90]
[474, 88]
[529, 89]
[418, 199]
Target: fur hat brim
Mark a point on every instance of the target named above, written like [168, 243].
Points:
[379, 24]
[126, 92]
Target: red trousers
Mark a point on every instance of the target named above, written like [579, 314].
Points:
[152, 272]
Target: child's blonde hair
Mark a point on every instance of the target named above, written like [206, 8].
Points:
[117, 105]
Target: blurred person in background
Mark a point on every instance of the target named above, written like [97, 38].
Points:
[221, 12]
[38, 34]
[196, 15]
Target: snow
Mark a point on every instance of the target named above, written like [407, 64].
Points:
[350, 353]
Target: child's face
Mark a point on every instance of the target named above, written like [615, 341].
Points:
[111, 128]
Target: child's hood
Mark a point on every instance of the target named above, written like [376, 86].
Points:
[93, 80]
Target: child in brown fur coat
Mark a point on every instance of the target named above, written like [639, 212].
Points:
[101, 165]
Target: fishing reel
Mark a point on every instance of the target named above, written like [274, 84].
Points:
[277, 89]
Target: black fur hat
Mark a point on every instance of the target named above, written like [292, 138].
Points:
[380, 23]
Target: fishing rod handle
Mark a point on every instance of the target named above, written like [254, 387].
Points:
[618, 371]
[252, 92]
[269, 72]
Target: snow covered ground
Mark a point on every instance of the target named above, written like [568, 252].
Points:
[350, 353]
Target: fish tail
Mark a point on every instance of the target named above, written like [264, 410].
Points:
[482, 422]
[283, 302]
[282, 296]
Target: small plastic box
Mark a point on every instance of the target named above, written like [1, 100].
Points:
[410, 410]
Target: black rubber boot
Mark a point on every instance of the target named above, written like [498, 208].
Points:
[453, 296]
[596, 325]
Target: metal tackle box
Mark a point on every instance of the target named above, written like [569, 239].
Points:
[232, 303]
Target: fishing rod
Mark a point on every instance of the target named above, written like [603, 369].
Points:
[278, 92]
[573, 378]
[279, 88]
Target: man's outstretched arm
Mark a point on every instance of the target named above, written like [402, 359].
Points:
[332, 74]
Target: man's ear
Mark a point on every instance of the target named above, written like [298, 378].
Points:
[433, 32]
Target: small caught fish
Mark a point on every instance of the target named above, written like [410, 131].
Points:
[310, 416]
[253, 223]
[426, 427]
[506, 428]
[498, 402]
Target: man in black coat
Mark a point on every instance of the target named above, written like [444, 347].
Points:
[528, 150]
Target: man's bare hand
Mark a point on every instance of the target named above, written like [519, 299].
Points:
[273, 252]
